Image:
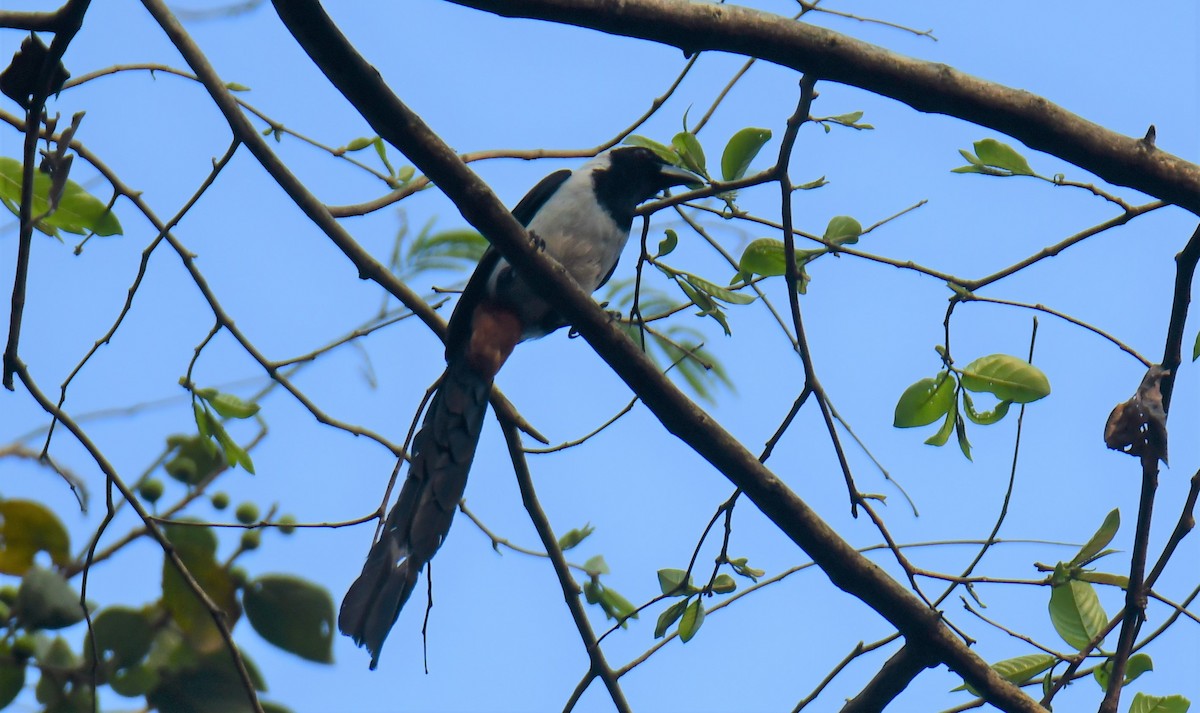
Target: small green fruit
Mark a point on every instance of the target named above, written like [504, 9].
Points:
[246, 513]
[251, 539]
[220, 500]
[287, 524]
[151, 490]
[24, 646]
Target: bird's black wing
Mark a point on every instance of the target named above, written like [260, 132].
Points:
[460, 322]
[537, 196]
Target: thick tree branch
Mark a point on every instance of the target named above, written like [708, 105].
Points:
[925, 86]
[892, 679]
[397, 124]
[1185, 271]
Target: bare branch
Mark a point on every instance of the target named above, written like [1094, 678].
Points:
[925, 86]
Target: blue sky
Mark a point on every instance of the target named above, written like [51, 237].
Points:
[500, 635]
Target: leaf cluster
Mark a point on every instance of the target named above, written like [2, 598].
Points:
[168, 652]
[1009, 378]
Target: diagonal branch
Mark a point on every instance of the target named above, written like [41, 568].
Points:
[368, 267]
[599, 665]
[925, 86]
[397, 124]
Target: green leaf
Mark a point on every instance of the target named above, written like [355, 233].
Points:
[27, 528]
[943, 435]
[1136, 666]
[739, 565]
[724, 584]
[235, 87]
[444, 250]
[210, 684]
[1196, 348]
[675, 582]
[843, 230]
[977, 169]
[573, 537]
[203, 418]
[12, 675]
[925, 401]
[58, 688]
[616, 606]
[690, 150]
[669, 617]
[1048, 682]
[970, 157]
[1076, 613]
[713, 290]
[1023, 668]
[295, 615]
[666, 153]
[1144, 703]
[741, 150]
[197, 547]
[708, 308]
[667, 245]
[848, 120]
[403, 175]
[1104, 535]
[693, 618]
[122, 636]
[1017, 670]
[1009, 378]
[768, 257]
[596, 565]
[993, 153]
[984, 418]
[764, 256]
[591, 591]
[230, 406]
[381, 151]
[194, 460]
[960, 430]
[811, 185]
[78, 211]
[46, 601]
[361, 143]
[1114, 580]
[234, 454]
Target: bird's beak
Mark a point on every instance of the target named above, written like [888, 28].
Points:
[676, 176]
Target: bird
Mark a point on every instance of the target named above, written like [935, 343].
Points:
[581, 218]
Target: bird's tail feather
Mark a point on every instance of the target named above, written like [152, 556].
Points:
[418, 522]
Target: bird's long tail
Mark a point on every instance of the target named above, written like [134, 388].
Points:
[418, 523]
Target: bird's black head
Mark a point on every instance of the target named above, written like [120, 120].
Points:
[625, 176]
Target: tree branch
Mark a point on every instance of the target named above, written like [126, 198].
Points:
[368, 267]
[396, 123]
[925, 86]
[893, 677]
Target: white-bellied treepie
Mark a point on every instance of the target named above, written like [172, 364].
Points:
[583, 218]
